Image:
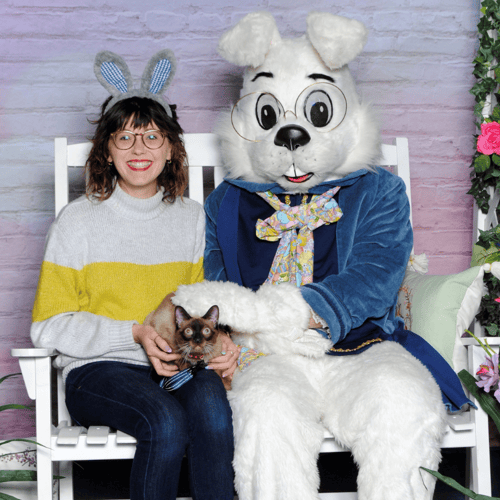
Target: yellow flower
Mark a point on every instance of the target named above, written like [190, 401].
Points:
[305, 257]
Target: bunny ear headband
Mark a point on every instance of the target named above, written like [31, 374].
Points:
[113, 74]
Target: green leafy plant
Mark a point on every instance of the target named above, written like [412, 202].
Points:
[489, 310]
[457, 486]
[485, 167]
[15, 475]
[486, 252]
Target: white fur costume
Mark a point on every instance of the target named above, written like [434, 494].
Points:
[382, 404]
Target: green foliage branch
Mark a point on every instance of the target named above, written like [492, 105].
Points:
[486, 168]
[15, 475]
[489, 309]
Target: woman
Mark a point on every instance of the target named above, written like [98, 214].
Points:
[110, 259]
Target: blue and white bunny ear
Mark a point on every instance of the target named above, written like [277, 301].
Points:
[159, 72]
[113, 73]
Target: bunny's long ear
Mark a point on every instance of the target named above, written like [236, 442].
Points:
[113, 73]
[249, 41]
[337, 39]
[159, 72]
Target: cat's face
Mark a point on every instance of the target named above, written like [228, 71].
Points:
[196, 337]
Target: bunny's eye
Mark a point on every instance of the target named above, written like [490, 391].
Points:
[268, 111]
[318, 108]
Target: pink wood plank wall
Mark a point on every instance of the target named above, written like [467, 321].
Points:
[416, 69]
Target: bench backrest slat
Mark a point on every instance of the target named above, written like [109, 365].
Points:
[203, 153]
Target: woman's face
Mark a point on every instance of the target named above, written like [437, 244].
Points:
[139, 166]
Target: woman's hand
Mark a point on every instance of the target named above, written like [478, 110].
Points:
[157, 350]
[229, 359]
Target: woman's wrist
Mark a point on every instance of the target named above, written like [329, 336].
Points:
[137, 333]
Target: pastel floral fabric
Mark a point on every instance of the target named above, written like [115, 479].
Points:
[293, 226]
[489, 140]
[247, 356]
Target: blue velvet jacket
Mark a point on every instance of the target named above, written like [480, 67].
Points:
[359, 262]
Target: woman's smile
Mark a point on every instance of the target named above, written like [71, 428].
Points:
[139, 165]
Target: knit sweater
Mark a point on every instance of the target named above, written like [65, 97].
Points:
[107, 265]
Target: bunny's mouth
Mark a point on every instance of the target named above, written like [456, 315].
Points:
[297, 176]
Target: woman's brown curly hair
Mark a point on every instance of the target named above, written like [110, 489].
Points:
[102, 176]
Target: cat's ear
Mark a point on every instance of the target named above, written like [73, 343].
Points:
[212, 315]
[180, 316]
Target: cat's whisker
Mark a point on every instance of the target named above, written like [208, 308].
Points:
[208, 349]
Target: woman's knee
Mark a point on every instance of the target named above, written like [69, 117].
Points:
[164, 422]
[205, 401]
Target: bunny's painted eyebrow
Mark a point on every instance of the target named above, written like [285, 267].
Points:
[321, 76]
[314, 76]
[262, 74]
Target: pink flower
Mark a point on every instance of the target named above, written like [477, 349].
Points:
[489, 140]
[483, 370]
[497, 299]
[488, 374]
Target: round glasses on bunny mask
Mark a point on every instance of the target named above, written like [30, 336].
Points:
[152, 139]
[323, 105]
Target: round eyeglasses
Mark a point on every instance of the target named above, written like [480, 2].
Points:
[152, 139]
[323, 105]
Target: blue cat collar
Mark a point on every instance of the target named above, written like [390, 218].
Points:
[179, 379]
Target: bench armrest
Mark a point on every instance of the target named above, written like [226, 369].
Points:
[35, 363]
[33, 352]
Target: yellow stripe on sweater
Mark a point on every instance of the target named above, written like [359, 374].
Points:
[117, 290]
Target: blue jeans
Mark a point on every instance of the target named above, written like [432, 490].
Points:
[196, 419]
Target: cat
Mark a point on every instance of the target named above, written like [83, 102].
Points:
[196, 339]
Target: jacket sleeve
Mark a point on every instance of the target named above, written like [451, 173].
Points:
[213, 261]
[374, 239]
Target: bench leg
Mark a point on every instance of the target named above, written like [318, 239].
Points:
[44, 474]
[66, 484]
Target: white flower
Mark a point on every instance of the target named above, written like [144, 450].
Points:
[493, 268]
[418, 263]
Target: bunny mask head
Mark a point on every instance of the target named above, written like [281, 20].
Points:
[299, 120]
[113, 74]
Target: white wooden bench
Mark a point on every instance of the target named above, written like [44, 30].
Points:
[62, 443]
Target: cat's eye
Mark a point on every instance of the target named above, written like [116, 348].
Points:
[206, 331]
[188, 332]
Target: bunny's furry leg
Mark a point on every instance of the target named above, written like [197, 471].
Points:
[277, 429]
[386, 407]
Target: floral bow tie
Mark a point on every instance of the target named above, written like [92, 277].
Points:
[294, 258]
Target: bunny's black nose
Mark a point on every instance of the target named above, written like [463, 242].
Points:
[292, 137]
